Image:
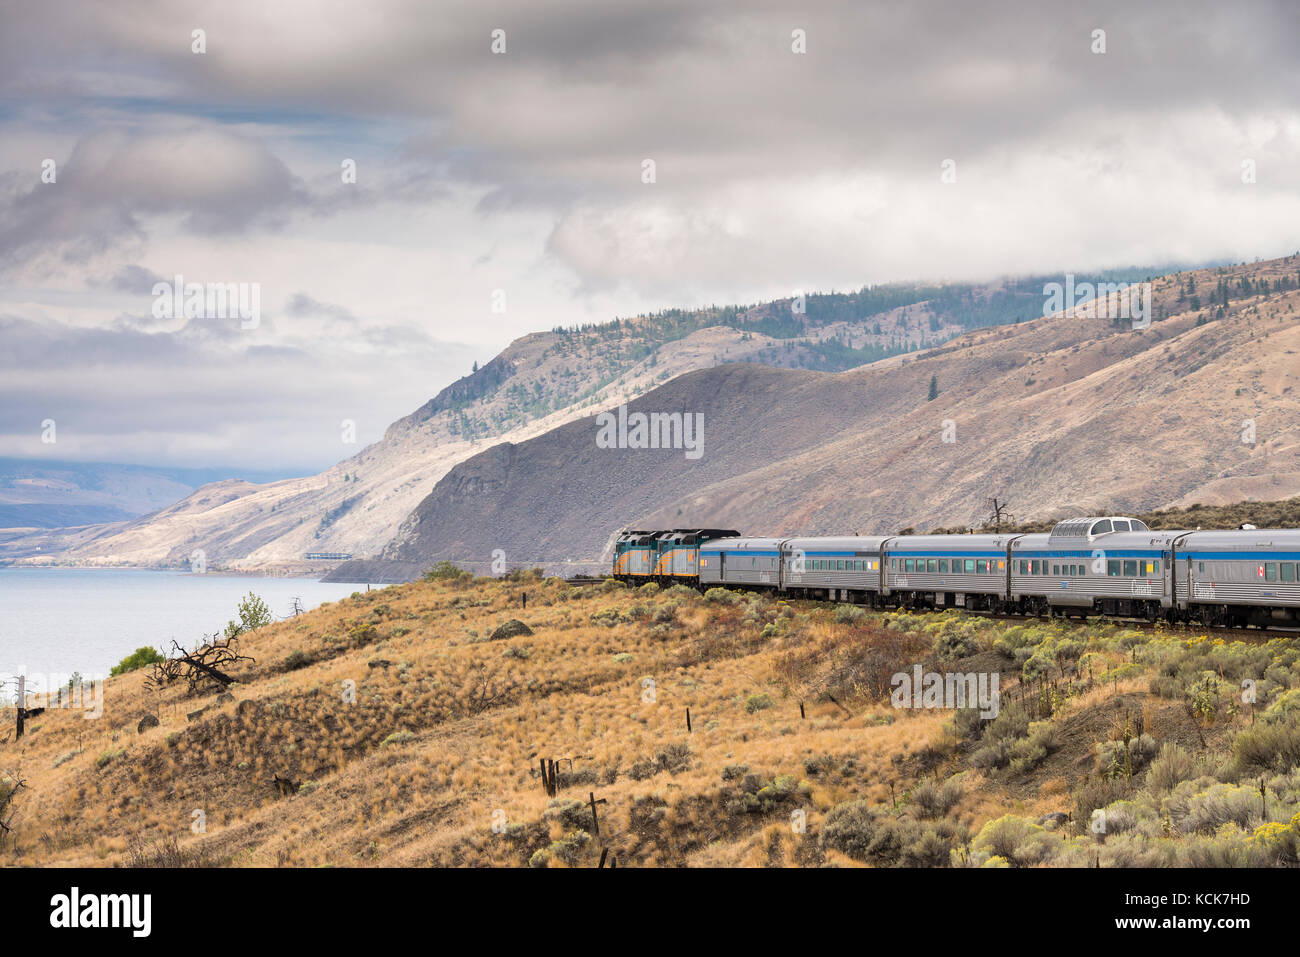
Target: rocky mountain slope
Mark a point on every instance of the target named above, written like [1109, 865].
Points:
[1060, 415]
[538, 383]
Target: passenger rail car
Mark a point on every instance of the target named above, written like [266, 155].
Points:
[741, 562]
[1109, 565]
[839, 569]
[930, 571]
[1081, 568]
[1248, 577]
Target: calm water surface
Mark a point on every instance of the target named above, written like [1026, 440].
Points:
[56, 621]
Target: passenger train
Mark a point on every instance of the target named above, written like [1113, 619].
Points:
[1109, 565]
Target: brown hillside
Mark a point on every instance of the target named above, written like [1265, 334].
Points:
[1067, 414]
[434, 760]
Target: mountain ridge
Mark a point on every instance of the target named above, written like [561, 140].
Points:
[1071, 412]
[540, 381]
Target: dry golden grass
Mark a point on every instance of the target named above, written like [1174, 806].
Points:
[434, 759]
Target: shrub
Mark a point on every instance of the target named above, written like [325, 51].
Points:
[140, 658]
[848, 614]
[758, 702]
[933, 800]
[296, 660]
[1171, 767]
[397, 737]
[514, 651]
[109, 757]
[566, 849]
[1017, 636]
[955, 644]
[722, 596]
[1268, 746]
[931, 849]
[849, 828]
[673, 758]
[570, 813]
[1027, 753]
[1016, 839]
[1205, 811]
[443, 571]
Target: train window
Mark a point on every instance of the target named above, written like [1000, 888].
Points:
[1130, 569]
[943, 565]
[893, 564]
[909, 565]
[1140, 526]
[1099, 527]
[1121, 525]
[1155, 568]
[970, 565]
[1288, 571]
[932, 565]
[1112, 568]
[839, 566]
[1033, 567]
[982, 566]
[1056, 569]
[1270, 572]
[1202, 566]
[1024, 567]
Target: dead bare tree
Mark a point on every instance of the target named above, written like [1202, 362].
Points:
[997, 512]
[202, 666]
[484, 687]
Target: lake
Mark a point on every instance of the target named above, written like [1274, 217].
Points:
[56, 621]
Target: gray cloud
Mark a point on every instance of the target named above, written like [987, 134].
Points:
[523, 171]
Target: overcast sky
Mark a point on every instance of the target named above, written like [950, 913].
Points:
[522, 171]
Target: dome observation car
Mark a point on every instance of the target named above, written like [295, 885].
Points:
[1089, 529]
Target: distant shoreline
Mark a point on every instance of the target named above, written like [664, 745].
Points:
[210, 573]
